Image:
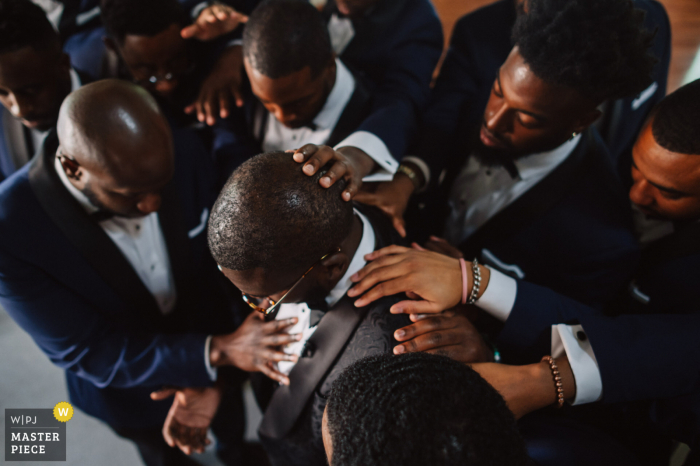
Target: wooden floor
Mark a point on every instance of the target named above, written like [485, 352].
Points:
[685, 31]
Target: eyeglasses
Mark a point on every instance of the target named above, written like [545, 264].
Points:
[271, 312]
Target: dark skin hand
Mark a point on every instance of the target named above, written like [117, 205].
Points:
[392, 197]
[349, 163]
[448, 334]
[530, 387]
[255, 346]
[214, 21]
[190, 416]
[220, 88]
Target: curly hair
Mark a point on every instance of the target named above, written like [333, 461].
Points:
[22, 24]
[140, 17]
[676, 120]
[271, 215]
[598, 47]
[285, 36]
[419, 409]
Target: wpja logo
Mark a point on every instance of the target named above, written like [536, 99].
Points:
[37, 434]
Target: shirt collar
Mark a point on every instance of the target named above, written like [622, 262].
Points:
[366, 246]
[74, 80]
[337, 99]
[535, 164]
[80, 197]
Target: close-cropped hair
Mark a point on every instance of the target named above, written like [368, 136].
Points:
[24, 24]
[419, 409]
[284, 36]
[140, 17]
[598, 47]
[676, 120]
[273, 216]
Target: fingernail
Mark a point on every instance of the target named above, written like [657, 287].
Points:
[396, 310]
[309, 169]
[299, 336]
[346, 196]
[359, 303]
[355, 276]
[399, 349]
[326, 181]
[351, 291]
[298, 157]
[400, 334]
[293, 320]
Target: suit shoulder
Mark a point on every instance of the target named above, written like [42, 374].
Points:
[15, 194]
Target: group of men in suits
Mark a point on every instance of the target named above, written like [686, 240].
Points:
[519, 156]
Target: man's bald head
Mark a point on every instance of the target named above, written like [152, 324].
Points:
[120, 141]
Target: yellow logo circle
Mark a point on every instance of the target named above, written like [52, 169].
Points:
[63, 411]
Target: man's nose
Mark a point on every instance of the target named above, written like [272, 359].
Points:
[497, 118]
[640, 193]
[149, 203]
[165, 87]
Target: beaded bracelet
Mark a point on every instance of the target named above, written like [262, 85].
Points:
[558, 386]
[476, 272]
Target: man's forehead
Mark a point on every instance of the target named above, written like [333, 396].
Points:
[258, 281]
[153, 48]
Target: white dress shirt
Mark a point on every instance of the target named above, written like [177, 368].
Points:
[277, 137]
[141, 242]
[498, 300]
[480, 191]
[302, 311]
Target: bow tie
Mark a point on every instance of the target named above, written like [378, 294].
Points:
[101, 215]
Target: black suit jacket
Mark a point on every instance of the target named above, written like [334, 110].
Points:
[291, 426]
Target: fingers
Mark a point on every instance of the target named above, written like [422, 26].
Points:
[237, 95]
[224, 103]
[318, 158]
[422, 327]
[277, 326]
[163, 393]
[273, 373]
[418, 247]
[415, 307]
[385, 252]
[399, 225]
[338, 170]
[303, 154]
[281, 339]
[430, 341]
[386, 288]
[377, 270]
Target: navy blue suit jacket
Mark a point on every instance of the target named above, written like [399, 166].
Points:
[480, 44]
[67, 284]
[646, 343]
[396, 47]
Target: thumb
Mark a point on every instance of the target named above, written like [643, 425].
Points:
[415, 307]
[163, 393]
[399, 224]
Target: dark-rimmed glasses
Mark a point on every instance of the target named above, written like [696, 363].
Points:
[271, 312]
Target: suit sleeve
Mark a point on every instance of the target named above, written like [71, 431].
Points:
[405, 86]
[639, 356]
[76, 337]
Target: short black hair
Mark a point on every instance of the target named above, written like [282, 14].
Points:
[273, 216]
[285, 36]
[598, 47]
[419, 409]
[676, 120]
[140, 17]
[22, 24]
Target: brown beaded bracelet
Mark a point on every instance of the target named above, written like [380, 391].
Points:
[558, 385]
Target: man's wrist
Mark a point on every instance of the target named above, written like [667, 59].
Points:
[485, 278]
[411, 171]
[217, 353]
[364, 163]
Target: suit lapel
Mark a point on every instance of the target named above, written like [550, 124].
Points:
[95, 246]
[327, 342]
[355, 111]
[530, 206]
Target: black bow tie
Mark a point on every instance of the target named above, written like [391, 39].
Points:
[101, 215]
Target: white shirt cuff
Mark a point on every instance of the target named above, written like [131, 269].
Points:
[198, 9]
[207, 363]
[375, 148]
[420, 164]
[499, 297]
[573, 340]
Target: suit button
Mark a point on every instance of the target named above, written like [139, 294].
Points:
[581, 335]
[309, 350]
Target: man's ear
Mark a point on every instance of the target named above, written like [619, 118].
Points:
[71, 167]
[587, 120]
[333, 269]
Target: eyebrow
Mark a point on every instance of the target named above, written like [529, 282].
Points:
[533, 115]
[660, 187]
